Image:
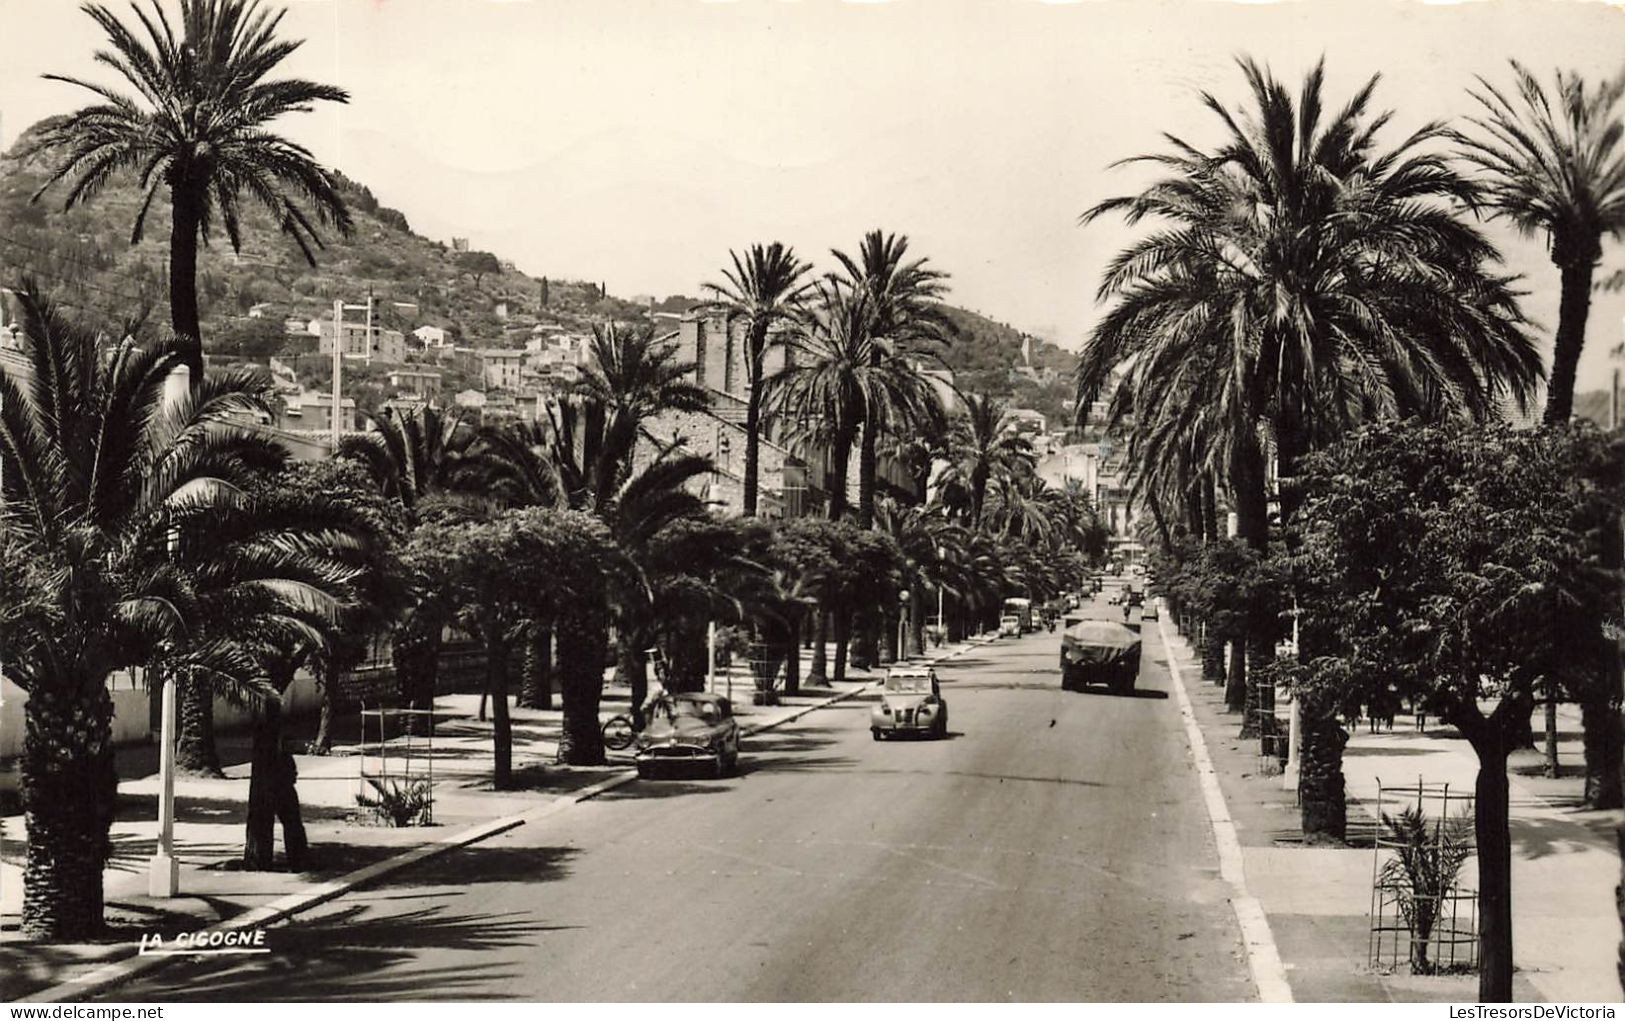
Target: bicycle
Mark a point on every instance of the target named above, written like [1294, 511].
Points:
[621, 730]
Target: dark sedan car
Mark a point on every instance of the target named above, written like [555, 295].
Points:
[690, 727]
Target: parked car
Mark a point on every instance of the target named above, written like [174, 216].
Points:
[910, 703]
[1010, 626]
[1149, 611]
[690, 727]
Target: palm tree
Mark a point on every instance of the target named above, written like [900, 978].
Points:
[821, 394]
[1302, 280]
[1555, 165]
[417, 458]
[108, 468]
[983, 446]
[907, 324]
[197, 126]
[412, 454]
[764, 290]
[634, 376]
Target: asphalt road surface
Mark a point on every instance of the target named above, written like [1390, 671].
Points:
[1054, 847]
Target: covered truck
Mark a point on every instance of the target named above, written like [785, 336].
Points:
[1099, 652]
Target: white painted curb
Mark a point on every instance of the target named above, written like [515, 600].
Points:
[1263, 958]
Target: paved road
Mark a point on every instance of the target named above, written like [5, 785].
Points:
[1054, 848]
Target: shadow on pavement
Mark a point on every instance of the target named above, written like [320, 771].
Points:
[1151, 693]
[484, 863]
[345, 956]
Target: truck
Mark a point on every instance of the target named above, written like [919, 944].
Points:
[1100, 652]
[1022, 610]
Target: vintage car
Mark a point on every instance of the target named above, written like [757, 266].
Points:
[910, 703]
[1010, 626]
[1099, 652]
[1149, 612]
[690, 727]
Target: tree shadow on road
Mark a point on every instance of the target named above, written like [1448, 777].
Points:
[345, 956]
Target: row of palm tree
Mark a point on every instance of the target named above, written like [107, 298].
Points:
[1301, 279]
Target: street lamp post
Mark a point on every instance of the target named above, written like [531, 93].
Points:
[163, 872]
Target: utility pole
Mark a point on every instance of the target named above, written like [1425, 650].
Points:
[338, 369]
[163, 871]
[369, 325]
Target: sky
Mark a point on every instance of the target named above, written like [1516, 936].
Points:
[636, 142]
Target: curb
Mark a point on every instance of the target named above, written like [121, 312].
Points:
[1263, 958]
[283, 908]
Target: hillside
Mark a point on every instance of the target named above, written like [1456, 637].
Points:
[84, 259]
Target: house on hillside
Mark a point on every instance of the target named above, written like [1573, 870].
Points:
[312, 411]
[431, 337]
[366, 345]
[499, 368]
[423, 383]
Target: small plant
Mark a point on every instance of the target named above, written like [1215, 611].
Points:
[399, 804]
[1423, 873]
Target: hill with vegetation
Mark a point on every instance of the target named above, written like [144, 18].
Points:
[83, 257]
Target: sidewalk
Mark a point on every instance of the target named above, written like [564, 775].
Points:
[1318, 899]
[343, 838]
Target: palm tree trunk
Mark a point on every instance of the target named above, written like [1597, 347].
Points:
[792, 659]
[581, 637]
[916, 622]
[1574, 308]
[327, 681]
[259, 837]
[195, 751]
[1322, 801]
[69, 790]
[536, 686]
[868, 459]
[186, 212]
[818, 672]
[753, 445]
[840, 458]
[843, 634]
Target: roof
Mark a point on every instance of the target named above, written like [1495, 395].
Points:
[908, 671]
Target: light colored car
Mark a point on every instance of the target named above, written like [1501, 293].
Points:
[1010, 626]
[690, 727]
[910, 703]
[1149, 611]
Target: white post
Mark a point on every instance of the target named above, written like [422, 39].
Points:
[1294, 746]
[338, 370]
[711, 657]
[369, 326]
[164, 873]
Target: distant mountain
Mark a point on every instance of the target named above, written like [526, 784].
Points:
[84, 259]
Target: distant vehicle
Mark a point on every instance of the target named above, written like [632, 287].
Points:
[1138, 570]
[1009, 626]
[911, 703]
[1150, 612]
[1099, 652]
[690, 727]
[1022, 610]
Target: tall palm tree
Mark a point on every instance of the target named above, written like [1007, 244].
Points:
[825, 391]
[908, 324]
[108, 467]
[1554, 164]
[1302, 279]
[984, 445]
[197, 127]
[764, 291]
[633, 377]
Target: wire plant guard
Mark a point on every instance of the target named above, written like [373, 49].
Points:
[1421, 915]
[395, 766]
[766, 661]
